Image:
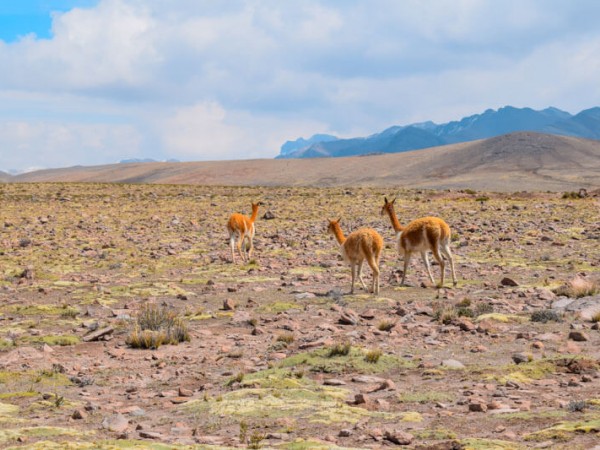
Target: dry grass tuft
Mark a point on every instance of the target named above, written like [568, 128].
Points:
[342, 349]
[155, 326]
[578, 287]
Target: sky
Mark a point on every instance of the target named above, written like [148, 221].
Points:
[87, 82]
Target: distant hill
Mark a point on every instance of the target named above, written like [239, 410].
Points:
[490, 123]
[512, 162]
[5, 177]
[143, 160]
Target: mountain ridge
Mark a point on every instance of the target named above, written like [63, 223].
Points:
[490, 123]
[508, 163]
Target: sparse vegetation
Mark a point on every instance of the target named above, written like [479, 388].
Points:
[288, 367]
[578, 287]
[286, 338]
[386, 325]
[155, 326]
[545, 315]
[373, 356]
[340, 349]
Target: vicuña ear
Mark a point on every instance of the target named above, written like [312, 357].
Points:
[385, 200]
[339, 220]
[394, 201]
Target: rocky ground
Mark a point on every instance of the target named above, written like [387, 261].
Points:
[280, 355]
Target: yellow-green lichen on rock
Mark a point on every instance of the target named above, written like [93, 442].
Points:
[277, 393]
[12, 434]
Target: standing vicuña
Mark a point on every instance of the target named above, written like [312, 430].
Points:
[243, 227]
[422, 235]
[362, 244]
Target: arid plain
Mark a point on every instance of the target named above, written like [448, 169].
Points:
[279, 355]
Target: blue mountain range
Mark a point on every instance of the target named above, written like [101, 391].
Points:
[490, 123]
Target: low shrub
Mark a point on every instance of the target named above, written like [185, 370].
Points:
[545, 315]
[342, 349]
[155, 326]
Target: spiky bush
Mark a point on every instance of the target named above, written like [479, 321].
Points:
[545, 315]
[286, 338]
[386, 325]
[578, 287]
[155, 326]
[577, 405]
[373, 356]
[342, 349]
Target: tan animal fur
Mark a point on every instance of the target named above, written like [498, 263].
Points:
[360, 245]
[243, 227]
[422, 235]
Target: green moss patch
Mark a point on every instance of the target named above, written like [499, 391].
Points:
[8, 435]
[319, 361]
[301, 444]
[425, 397]
[61, 340]
[489, 444]
[278, 393]
[563, 430]
[504, 318]
[277, 307]
[43, 310]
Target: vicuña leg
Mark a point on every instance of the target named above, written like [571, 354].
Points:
[427, 266]
[374, 267]
[440, 260]
[362, 282]
[445, 248]
[406, 262]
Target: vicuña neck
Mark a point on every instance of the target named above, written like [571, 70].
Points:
[254, 213]
[394, 219]
[339, 234]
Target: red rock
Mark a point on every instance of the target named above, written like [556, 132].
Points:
[399, 437]
[229, 304]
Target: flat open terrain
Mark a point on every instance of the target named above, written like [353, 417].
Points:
[264, 367]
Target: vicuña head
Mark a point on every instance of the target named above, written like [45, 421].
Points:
[360, 245]
[242, 227]
[422, 235]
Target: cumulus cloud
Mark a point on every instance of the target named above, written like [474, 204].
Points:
[198, 79]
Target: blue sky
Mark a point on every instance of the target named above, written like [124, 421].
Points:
[92, 82]
[21, 17]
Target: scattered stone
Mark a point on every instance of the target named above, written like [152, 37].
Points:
[117, 423]
[268, 215]
[150, 435]
[453, 364]
[398, 437]
[334, 382]
[520, 358]
[98, 334]
[506, 281]
[348, 317]
[578, 336]
[183, 392]
[361, 399]
[465, 324]
[229, 304]
[79, 414]
[368, 379]
[477, 406]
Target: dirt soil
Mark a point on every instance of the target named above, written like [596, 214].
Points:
[280, 355]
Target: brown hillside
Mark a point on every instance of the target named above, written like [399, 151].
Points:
[5, 177]
[512, 162]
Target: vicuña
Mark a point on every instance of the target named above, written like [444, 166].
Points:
[362, 244]
[243, 227]
[422, 235]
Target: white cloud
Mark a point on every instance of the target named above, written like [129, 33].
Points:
[198, 79]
